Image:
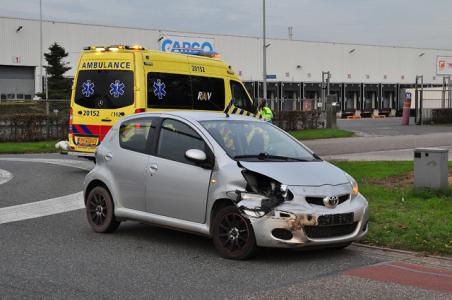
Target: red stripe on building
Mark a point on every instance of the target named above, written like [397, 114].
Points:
[407, 274]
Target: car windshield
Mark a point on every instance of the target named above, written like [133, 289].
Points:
[256, 141]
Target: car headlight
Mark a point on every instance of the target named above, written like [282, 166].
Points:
[354, 184]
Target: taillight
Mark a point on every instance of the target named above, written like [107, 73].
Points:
[139, 110]
[70, 120]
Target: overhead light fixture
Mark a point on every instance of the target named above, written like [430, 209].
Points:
[351, 51]
[19, 28]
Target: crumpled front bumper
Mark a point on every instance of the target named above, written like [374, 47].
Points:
[297, 225]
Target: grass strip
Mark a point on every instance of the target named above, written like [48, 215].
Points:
[321, 133]
[402, 217]
[28, 147]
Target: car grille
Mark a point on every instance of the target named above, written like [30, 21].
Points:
[317, 232]
[319, 200]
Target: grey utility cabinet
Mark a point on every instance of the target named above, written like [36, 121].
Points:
[430, 168]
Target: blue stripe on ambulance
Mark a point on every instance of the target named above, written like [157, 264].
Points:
[85, 129]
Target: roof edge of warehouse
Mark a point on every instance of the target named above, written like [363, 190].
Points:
[223, 34]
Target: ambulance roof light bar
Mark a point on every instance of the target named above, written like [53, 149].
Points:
[200, 52]
[113, 48]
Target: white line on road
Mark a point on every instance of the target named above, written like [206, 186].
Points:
[5, 176]
[45, 207]
[42, 208]
[79, 164]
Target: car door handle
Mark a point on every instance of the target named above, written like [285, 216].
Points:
[108, 156]
[153, 168]
[106, 120]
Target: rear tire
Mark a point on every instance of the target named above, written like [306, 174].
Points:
[100, 210]
[233, 234]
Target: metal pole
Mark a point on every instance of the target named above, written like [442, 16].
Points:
[328, 83]
[264, 52]
[40, 47]
[421, 104]
[449, 93]
[47, 85]
[443, 94]
[416, 100]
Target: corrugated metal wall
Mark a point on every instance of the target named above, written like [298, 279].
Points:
[289, 60]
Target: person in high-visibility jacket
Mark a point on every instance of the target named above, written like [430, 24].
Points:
[265, 111]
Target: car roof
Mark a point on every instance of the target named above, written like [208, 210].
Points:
[197, 115]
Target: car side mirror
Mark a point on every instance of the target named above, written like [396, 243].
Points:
[196, 155]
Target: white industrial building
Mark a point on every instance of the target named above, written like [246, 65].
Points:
[364, 77]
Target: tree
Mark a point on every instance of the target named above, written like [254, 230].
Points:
[58, 85]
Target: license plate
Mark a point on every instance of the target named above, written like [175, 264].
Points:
[337, 219]
[86, 141]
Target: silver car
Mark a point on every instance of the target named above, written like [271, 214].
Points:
[242, 182]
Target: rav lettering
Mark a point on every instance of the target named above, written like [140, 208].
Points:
[204, 96]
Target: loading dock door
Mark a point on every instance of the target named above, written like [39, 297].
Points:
[17, 82]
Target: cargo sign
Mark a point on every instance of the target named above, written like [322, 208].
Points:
[444, 65]
[186, 45]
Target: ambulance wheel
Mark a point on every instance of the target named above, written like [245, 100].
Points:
[233, 234]
[100, 210]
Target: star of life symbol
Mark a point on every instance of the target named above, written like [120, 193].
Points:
[117, 88]
[159, 89]
[88, 88]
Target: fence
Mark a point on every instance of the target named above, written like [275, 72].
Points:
[428, 102]
[32, 128]
[50, 107]
[34, 120]
[292, 104]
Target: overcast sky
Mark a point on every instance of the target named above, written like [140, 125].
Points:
[383, 22]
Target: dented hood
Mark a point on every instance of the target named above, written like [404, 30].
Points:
[314, 173]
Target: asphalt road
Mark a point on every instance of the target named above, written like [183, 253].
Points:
[389, 127]
[59, 256]
[382, 139]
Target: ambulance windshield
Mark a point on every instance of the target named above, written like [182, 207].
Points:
[104, 89]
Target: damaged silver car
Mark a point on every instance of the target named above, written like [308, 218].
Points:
[241, 181]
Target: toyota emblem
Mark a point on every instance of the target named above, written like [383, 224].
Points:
[331, 201]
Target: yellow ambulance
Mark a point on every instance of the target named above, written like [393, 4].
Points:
[116, 81]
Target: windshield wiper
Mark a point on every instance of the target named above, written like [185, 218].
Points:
[264, 156]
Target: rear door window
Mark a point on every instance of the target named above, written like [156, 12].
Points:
[135, 134]
[169, 91]
[207, 93]
[178, 91]
[104, 89]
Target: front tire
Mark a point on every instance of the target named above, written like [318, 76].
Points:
[233, 234]
[100, 211]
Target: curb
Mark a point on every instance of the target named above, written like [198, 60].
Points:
[417, 254]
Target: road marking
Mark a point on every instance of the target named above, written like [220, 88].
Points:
[79, 164]
[42, 208]
[5, 176]
[45, 207]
